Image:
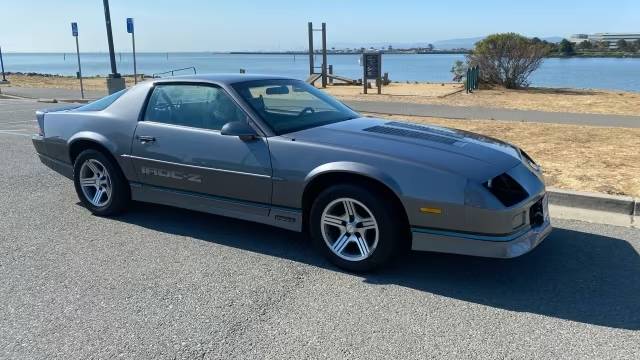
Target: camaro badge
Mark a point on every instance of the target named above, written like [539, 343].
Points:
[178, 175]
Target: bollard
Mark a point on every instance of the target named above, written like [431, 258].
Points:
[330, 73]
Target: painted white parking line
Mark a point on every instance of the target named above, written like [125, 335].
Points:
[18, 122]
[4, 132]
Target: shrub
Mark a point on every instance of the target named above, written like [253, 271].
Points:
[507, 59]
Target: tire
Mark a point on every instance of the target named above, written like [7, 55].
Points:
[339, 236]
[99, 172]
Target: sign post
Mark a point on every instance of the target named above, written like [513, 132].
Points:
[372, 69]
[74, 32]
[4, 79]
[131, 31]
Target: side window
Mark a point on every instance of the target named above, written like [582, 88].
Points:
[199, 106]
[286, 99]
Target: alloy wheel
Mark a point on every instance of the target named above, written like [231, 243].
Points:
[349, 229]
[95, 182]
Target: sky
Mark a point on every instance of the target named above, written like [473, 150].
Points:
[221, 25]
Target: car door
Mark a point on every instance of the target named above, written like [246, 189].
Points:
[178, 146]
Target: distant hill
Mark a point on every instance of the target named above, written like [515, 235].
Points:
[466, 43]
[469, 43]
[462, 43]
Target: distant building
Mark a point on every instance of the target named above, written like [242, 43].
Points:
[610, 38]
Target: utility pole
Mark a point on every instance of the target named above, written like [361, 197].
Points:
[74, 32]
[115, 82]
[131, 31]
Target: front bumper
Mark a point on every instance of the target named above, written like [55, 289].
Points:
[508, 246]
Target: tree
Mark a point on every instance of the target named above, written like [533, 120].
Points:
[622, 44]
[602, 45]
[585, 45]
[507, 59]
[551, 46]
[637, 45]
[567, 47]
[430, 47]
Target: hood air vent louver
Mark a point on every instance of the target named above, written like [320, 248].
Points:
[388, 130]
[431, 129]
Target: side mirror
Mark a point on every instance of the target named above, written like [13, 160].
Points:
[240, 129]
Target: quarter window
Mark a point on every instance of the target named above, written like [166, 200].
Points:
[198, 106]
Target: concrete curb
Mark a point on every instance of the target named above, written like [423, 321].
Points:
[13, 97]
[594, 207]
[53, 101]
[83, 101]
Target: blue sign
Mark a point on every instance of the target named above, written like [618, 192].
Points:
[74, 29]
[130, 25]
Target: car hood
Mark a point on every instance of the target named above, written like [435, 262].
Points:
[471, 155]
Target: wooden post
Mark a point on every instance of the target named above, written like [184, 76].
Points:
[379, 79]
[324, 55]
[311, 65]
[365, 82]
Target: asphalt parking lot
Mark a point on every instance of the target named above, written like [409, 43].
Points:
[159, 282]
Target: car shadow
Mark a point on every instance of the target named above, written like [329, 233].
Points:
[576, 276]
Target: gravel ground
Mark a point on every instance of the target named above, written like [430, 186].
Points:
[159, 282]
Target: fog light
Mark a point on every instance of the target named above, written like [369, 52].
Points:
[517, 221]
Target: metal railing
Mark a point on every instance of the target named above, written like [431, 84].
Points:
[472, 80]
[155, 75]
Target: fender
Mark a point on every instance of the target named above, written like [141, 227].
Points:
[356, 169]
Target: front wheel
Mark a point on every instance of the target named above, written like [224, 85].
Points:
[99, 183]
[354, 229]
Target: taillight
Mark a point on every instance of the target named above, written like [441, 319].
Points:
[38, 129]
[40, 122]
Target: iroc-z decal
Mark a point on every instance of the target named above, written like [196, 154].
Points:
[178, 175]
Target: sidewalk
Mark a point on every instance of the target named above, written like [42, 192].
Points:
[482, 113]
[50, 93]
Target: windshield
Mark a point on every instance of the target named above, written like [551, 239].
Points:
[103, 103]
[288, 105]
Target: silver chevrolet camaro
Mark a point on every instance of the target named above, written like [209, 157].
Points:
[277, 151]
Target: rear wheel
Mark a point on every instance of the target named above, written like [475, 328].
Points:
[100, 184]
[354, 229]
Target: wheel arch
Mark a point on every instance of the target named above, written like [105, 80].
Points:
[352, 173]
[90, 140]
[97, 142]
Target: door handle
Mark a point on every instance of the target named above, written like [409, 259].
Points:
[145, 139]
